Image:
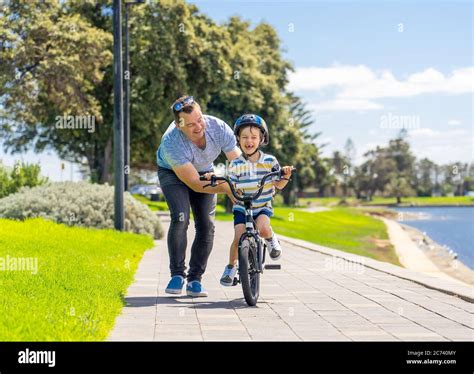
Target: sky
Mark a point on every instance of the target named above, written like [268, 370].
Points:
[365, 69]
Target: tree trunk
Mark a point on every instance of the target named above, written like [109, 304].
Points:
[100, 164]
[399, 199]
[106, 164]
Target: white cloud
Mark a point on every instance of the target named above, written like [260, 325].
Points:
[425, 82]
[357, 86]
[343, 104]
[442, 146]
[360, 82]
[314, 78]
[454, 122]
[437, 134]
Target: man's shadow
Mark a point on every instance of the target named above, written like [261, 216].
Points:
[183, 302]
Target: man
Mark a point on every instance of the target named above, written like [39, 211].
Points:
[188, 149]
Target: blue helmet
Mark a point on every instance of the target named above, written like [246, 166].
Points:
[252, 120]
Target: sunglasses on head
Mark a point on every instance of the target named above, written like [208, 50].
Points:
[177, 107]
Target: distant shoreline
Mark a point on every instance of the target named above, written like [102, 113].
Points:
[440, 256]
[437, 254]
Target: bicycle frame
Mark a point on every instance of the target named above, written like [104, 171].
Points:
[251, 230]
[250, 225]
[251, 252]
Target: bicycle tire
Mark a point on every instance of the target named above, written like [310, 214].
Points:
[249, 276]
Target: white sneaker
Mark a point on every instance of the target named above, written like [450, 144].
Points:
[227, 278]
[274, 248]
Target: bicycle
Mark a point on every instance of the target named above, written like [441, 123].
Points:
[252, 247]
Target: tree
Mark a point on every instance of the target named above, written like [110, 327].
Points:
[389, 170]
[454, 175]
[52, 62]
[58, 60]
[374, 174]
[399, 187]
[425, 174]
[468, 183]
[401, 179]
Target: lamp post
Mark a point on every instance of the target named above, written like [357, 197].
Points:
[127, 76]
[118, 118]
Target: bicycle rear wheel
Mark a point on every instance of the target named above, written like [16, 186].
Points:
[248, 269]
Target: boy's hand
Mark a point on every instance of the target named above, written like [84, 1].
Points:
[287, 171]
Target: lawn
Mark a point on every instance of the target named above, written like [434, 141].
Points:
[75, 292]
[346, 229]
[153, 205]
[319, 201]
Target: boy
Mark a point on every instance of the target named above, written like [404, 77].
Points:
[246, 171]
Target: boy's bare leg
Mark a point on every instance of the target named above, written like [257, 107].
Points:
[234, 254]
[264, 227]
[266, 232]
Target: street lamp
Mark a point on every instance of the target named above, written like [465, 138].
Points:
[127, 74]
[118, 117]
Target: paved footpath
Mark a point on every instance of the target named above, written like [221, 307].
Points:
[320, 294]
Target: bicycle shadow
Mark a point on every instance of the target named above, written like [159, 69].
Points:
[183, 302]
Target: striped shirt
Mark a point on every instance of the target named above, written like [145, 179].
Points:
[245, 175]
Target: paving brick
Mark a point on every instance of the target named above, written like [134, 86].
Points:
[306, 300]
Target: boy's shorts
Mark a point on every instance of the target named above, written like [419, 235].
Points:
[239, 217]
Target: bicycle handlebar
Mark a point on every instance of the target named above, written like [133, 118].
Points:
[256, 195]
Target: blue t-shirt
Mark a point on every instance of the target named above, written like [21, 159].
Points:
[176, 149]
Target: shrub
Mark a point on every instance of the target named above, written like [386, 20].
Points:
[79, 204]
[21, 175]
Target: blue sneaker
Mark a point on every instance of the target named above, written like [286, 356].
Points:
[194, 289]
[175, 285]
[227, 278]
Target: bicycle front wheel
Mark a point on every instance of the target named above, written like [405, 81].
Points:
[248, 269]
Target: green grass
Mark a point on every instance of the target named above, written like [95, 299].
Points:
[153, 205]
[346, 229]
[319, 201]
[77, 291]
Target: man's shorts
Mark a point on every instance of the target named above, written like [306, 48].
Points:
[239, 217]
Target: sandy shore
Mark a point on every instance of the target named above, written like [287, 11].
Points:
[418, 252]
[440, 256]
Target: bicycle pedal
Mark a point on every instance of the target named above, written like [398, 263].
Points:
[272, 267]
[235, 282]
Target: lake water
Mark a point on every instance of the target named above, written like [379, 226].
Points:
[449, 226]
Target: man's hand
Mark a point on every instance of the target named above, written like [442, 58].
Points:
[188, 174]
[207, 176]
[228, 192]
